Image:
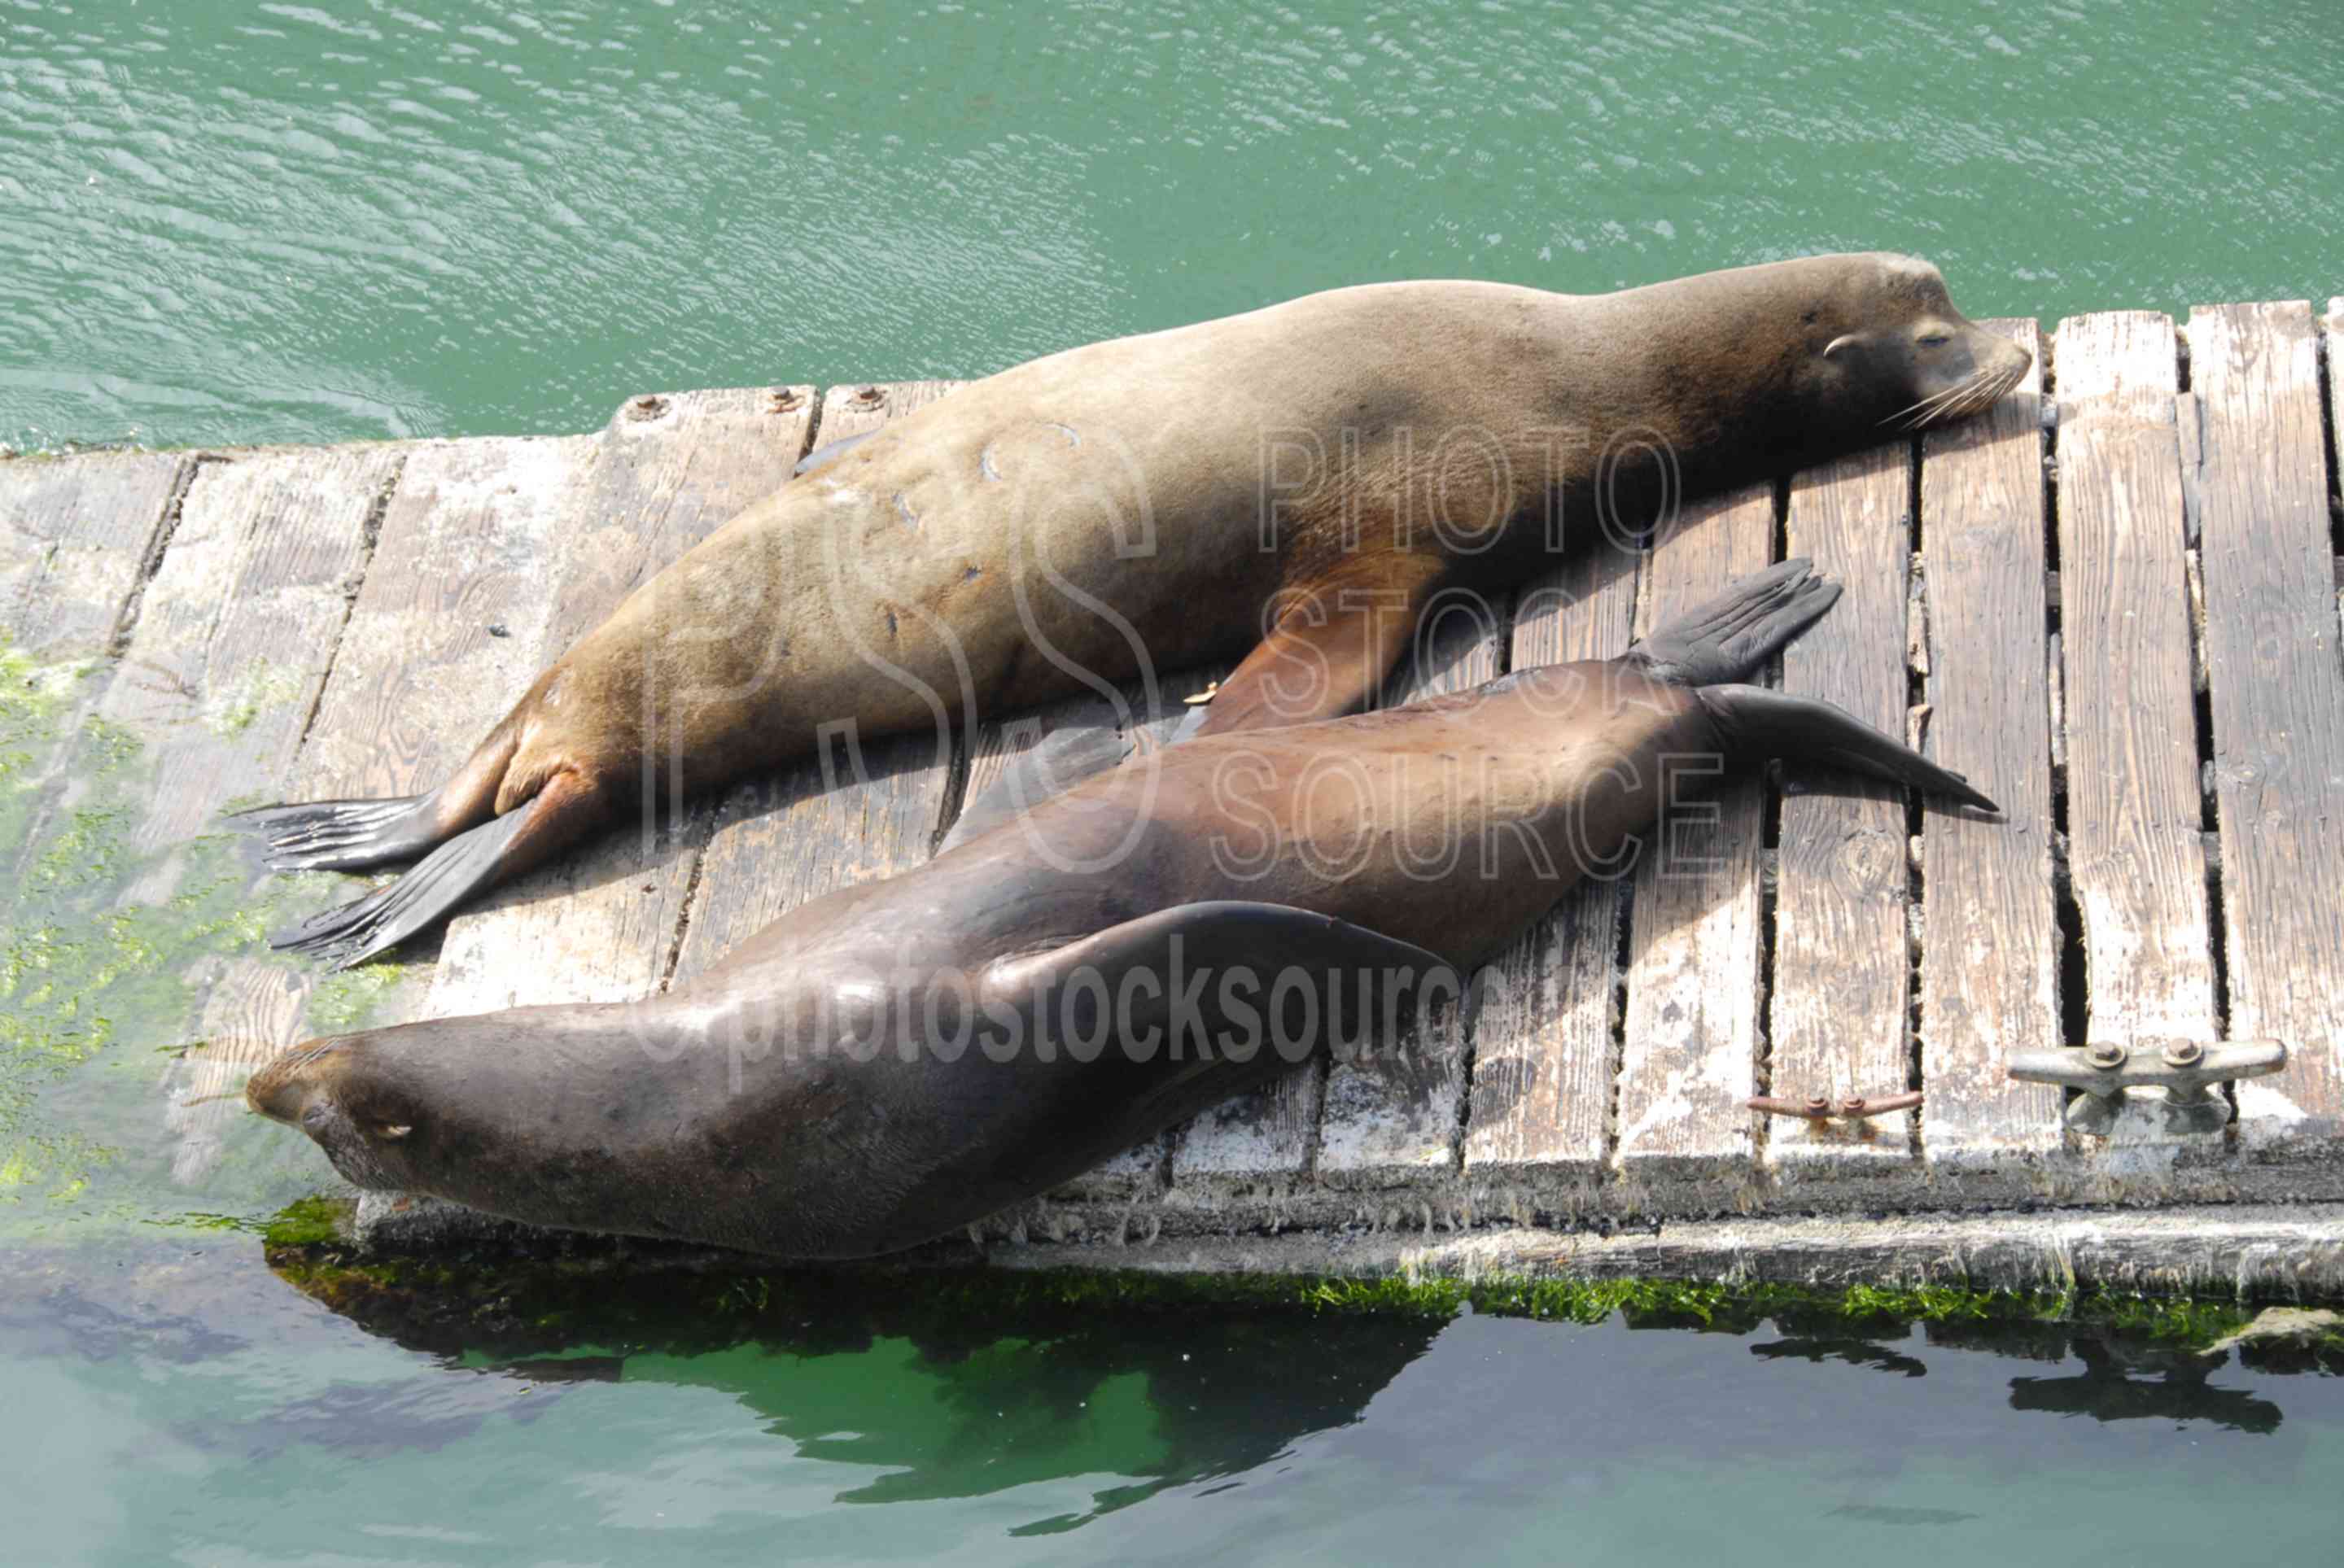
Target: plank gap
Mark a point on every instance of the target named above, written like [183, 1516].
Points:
[150, 558]
[1916, 700]
[2073, 967]
[2190, 434]
[2325, 361]
[369, 535]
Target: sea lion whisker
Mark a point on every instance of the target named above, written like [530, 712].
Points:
[1928, 409]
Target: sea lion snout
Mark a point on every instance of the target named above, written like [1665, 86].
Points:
[302, 1089]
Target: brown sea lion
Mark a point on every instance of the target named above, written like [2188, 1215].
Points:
[1297, 481]
[896, 1060]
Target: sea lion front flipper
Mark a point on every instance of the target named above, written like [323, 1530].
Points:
[441, 882]
[1055, 764]
[1322, 659]
[1199, 999]
[1732, 636]
[1059, 761]
[829, 452]
[1776, 724]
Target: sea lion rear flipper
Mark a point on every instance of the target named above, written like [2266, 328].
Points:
[1776, 724]
[345, 835]
[1732, 636]
[443, 880]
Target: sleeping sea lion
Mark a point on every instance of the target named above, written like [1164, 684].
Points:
[1298, 480]
[893, 1061]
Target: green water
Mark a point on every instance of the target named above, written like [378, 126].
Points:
[235, 223]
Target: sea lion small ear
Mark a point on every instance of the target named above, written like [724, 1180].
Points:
[1845, 343]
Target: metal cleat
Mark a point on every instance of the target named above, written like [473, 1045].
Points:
[2187, 1072]
[1855, 1108]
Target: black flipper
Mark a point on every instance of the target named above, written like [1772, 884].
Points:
[1775, 724]
[351, 934]
[1732, 636]
[830, 452]
[1064, 758]
[1201, 1001]
[345, 835]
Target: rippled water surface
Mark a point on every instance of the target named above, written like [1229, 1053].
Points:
[226, 223]
[186, 1406]
[229, 221]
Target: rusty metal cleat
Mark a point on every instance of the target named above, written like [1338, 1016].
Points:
[2187, 1070]
[1855, 1108]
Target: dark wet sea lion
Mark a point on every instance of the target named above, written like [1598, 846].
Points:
[1297, 481]
[896, 1060]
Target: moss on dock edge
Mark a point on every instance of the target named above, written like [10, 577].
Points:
[494, 1296]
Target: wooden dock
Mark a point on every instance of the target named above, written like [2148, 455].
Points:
[2118, 612]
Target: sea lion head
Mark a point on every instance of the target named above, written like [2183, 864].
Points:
[329, 1089]
[1887, 350]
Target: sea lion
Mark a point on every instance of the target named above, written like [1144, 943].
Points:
[893, 1061]
[1300, 480]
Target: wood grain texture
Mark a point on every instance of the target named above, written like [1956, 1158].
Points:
[1839, 1008]
[233, 641]
[75, 533]
[1990, 939]
[1544, 1044]
[599, 922]
[2135, 854]
[238, 627]
[443, 638]
[1393, 1114]
[445, 634]
[858, 811]
[1689, 1053]
[2278, 699]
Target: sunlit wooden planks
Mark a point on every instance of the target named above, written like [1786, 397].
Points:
[1689, 1050]
[1839, 1005]
[2277, 691]
[1990, 939]
[2136, 849]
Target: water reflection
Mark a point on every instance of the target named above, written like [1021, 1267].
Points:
[180, 1389]
[921, 1389]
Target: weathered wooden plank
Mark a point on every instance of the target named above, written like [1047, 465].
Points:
[2278, 700]
[76, 534]
[236, 630]
[2135, 854]
[599, 923]
[860, 811]
[233, 641]
[1839, 1009]
[1392, 1115]
[1544, 1044]
[1689, 1053]
[1990, 939]
[444, 636]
